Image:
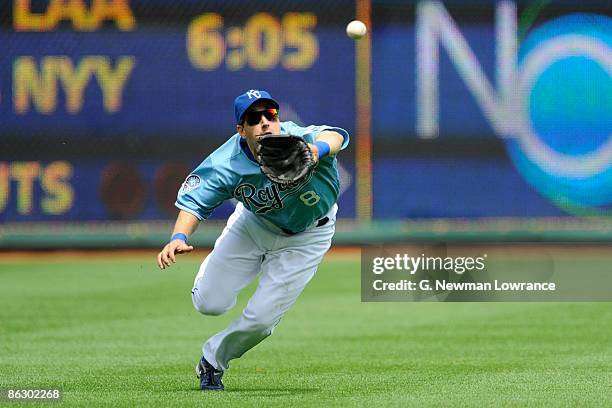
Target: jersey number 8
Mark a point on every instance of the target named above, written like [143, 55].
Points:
[310, 198]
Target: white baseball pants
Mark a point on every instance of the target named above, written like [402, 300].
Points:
[247, 246]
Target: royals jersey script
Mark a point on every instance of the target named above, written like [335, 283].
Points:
[232, 172]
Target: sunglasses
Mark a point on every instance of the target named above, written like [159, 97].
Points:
[253, 118]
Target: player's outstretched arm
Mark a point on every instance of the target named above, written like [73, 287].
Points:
[333, 139]
[186, 224]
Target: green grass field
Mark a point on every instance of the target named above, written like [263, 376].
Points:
[117, 331]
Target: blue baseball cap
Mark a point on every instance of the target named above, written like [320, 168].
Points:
[244, 101]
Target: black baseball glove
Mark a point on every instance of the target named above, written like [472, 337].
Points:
[285, 159]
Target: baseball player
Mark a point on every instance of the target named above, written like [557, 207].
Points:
[286, 188]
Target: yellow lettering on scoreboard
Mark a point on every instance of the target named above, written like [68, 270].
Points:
[4, 185]
[25, 173]
[112, 81]
[74, 81]
[54, 182]
[39, 87]
[263, 43]
[75, 11]
[31, 85]
[205, 46]
[298, 35]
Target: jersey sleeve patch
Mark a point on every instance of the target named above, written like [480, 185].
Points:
[192, 182]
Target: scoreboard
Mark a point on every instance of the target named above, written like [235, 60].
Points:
[108, 68]
[106, 105]
[474, 108]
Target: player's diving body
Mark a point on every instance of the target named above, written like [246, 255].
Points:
[282, 231]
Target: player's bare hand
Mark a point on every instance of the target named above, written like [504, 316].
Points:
[315, 151]
[167, 256]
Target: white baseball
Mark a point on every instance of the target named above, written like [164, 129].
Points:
[356, 29]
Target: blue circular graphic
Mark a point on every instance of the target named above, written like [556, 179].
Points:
[564, 147]
[565, 104]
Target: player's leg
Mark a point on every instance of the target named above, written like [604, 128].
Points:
[233, 263]
[286, 270]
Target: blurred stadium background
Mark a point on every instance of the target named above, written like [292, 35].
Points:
[470, 120]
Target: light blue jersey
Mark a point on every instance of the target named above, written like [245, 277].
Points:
[229, 172]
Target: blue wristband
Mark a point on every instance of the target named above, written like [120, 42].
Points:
[323, 148]
[180, 236]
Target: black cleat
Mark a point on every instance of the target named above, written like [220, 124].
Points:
[210, 377]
